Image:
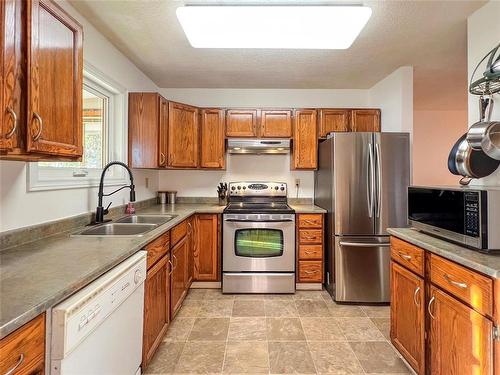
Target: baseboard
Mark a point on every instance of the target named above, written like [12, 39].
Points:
[308, 286]
[206, 285]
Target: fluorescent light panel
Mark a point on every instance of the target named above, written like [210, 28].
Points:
[287, 27]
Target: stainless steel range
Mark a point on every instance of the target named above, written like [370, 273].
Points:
[258, 239]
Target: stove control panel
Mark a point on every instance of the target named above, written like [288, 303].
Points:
[256, 189]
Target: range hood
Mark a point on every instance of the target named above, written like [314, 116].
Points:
[258, 146]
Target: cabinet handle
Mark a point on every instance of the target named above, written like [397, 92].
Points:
[311, 272]
[404, 256]
[175, 262]
[456, 283]
[190, 228]
[311, 222]
[171, 268]
[14, 125]
[40, 121]
[16, 366]
[415, 296]
[309, 252]
[162, 158]
[429, 307]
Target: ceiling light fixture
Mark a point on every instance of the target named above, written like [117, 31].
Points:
[269, 26]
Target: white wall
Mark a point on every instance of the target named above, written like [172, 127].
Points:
[483, 33]
[19, 208]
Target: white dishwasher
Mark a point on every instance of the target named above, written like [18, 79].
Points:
[98, 330]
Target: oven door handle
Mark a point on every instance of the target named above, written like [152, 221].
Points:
[258, 221]
[364, 244]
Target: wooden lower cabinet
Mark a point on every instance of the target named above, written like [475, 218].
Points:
[310, 248]
[23, 351]
[190, 256]
[180, 262]
[206, 247]
[156, 308]
[407, 316]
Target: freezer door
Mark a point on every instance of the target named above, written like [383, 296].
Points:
[392, 165]
[362, 269]
[354, 183]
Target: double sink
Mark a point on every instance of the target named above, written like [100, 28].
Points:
[132, 225]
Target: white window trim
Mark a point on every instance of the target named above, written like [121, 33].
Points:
[46, 178]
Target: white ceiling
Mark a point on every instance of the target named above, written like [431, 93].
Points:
[430, 35]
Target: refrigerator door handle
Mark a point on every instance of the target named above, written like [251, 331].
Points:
[364, 244]
[378, 203]
[370, 181]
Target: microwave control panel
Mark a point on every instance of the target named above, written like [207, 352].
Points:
[472, 218]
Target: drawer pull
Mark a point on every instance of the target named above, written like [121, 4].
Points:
[16, 366]
[404, 256]
[311, 272]
[429, 307]
[415, 297]
[311, 222]
[309, 252]
[456, 283]
[309, 238]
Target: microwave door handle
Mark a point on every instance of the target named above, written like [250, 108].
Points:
[369, 180]
[379, 180]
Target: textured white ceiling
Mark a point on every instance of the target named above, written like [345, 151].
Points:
[430, 35]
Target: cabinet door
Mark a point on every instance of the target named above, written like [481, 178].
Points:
[143, 114]
[190, 256]
[182, 136]
[460, 338]
[276, 123]
[305, 140]
[241, 123]
[163, 132]
[333, 120]
[156, 308]
[408, 316]
[212, 139]
[179, 275]
[365, 120]
[55, 81]
[206, 250]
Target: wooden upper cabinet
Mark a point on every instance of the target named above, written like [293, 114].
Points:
[212, 153]
[408, 316]
[206, 247]
[276, 123]
[333, 120]
[365, 120]
[305, 140]
[241, 123]
[55, 63]
[182, 136]
[460, 338]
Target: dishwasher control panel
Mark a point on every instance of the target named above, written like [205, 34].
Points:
[80, 314]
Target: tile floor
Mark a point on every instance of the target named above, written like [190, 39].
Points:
[305, 333]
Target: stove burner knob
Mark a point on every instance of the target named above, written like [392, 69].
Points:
[244, 187]
[282, 188]
[233, 188]
[276, 187]
[239, 187]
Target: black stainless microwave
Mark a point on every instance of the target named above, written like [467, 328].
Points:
[467, 216]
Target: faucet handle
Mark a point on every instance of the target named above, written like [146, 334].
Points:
[106, 210]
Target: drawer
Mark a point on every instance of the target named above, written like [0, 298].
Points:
[310, 221]
[467, 285]
[408, 255]
[25, 348]
[158, 248]
[310, 236]
[178, 232]
[310, 271]
[310, 251]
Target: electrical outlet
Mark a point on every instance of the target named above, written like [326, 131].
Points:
[146, 182]
[297, 182]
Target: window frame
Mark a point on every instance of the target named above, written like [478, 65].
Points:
[115, 143]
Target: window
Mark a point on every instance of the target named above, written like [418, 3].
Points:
[104, 140]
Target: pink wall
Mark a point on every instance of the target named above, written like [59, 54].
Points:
[434, 133]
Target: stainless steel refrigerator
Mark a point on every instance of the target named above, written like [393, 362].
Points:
[362, 182]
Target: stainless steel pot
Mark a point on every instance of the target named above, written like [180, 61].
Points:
[485, 136]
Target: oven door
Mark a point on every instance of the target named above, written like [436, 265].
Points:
[258, 243]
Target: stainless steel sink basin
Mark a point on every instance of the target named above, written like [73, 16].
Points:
[117, 229]
[146, 219]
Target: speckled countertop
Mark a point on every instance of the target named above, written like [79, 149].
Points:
[307, 208]
[38, 275]
[489, 264]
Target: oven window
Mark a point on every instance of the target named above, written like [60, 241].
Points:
[258, 243]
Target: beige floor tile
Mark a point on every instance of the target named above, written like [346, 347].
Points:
[284, 329]
[377, 311]
[312, 308]
[179, 329]
[216, 308]
[341, 310]
[281, 308]
[247, 329]
[248, 308]
[359, 329]
[290, 358]
[378, 357]
[165, 359]
[217, 295]
[308, 294]
[279, 297]
[246, 357]
[196, 294]
[322, 329]
[209, 329]
[334, 358]
[201, 358]
[250, 297]
[190, 308]
[384, 326]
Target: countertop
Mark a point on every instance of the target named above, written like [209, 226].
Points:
[40, 274]
[307, 208]
[488, 264]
